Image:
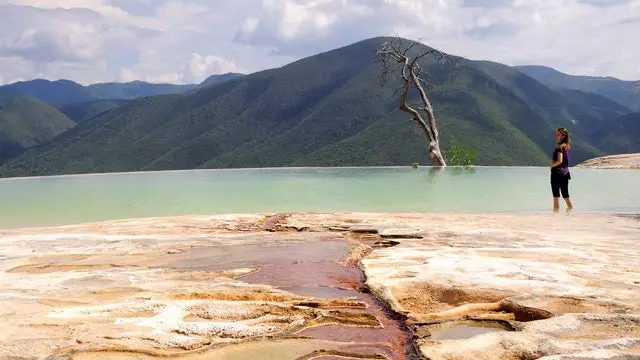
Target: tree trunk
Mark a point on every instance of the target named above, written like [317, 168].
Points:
[436, 156]
[429, 127]
[392, 54]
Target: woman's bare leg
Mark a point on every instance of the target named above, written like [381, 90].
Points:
[569, 203]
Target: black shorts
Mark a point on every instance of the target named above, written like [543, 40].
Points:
[560, 184]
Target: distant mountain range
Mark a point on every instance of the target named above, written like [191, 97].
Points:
[26, 122]
[66, 92]
[323, 110]
[626, 93]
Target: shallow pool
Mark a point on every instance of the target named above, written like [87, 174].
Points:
[61, 200]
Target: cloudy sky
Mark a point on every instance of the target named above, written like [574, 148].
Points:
[184, 41]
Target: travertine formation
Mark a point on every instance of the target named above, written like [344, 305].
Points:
[550, 286]
[621, 161]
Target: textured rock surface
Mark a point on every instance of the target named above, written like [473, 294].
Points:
[622, 161]
[543, 286]
[577, 276]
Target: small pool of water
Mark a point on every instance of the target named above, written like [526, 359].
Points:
[356, 326]
[59, 200]
[271, 349]
[298, 254]
[327, 292]
[318, 272]
[462, 332]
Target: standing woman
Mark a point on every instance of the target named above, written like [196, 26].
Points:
[560, 175]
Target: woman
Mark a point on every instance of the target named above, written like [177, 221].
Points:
[560, 175]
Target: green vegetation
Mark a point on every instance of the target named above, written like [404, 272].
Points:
[79, 103]
[65, 92]
[620, 135]
[626, 93]
[329, 110]
[134, 89]
[217, 79]
[26, 122]
[459, 155]
[56, 92]
[84, 111]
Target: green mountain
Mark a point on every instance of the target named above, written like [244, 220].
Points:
[27, 122]
[134, 89]
[620, 135]
[84, 111]
[325, 110]
[67, 92]
[57, 92]
[626, 93]
[217, 79]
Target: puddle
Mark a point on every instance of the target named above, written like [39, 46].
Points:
[94, 281]
[269, 252]
[462, 329]
[391, 335]
[462, 332]
[326, 292]
[335, 357]
[273, 349]
[305, 274]
[315, 273]
[307, 266]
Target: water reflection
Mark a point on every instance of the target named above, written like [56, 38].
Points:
[460, 170]
[436, 172]
[69, 200]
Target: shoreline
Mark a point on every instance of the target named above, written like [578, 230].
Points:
[97, 198]
[464, 284]
[283, 168]
[629, 161]
[215, 216]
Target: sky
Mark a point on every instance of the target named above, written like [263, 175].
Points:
[184, 41]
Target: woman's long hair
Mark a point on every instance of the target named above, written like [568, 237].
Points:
[566, 140]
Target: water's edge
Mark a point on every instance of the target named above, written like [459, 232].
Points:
[74, 199]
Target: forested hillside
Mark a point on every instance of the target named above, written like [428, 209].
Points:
[626, 93]
[26, 122]
[328, 110]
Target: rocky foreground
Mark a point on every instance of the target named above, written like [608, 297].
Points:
[308, 286]
[621, 161]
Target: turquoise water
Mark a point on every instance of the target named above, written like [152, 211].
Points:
[59, 200]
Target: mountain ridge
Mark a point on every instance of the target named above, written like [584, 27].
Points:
[326, 110]
[67, 92]
[26, 122]
[624, 92]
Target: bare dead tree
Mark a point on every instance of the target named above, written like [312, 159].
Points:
[395, 56]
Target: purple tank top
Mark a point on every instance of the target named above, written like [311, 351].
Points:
[563, 168]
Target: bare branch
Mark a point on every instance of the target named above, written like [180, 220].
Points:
[396, 57]
[396, 91]
[418, 57]
[410, 47]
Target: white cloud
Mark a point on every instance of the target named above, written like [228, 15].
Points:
[188, 40]
[572, 35]
[202, 66]
[303, 27]
[71, 42]
[127, 75]
[194, 68]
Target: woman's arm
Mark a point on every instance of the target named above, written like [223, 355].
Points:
[557, 162]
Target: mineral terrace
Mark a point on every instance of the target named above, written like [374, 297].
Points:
[324, 286]
[620, 161]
